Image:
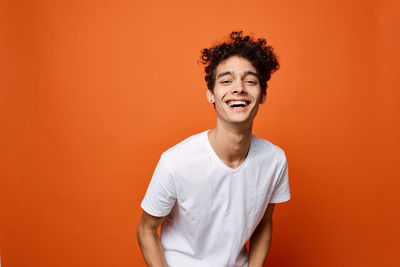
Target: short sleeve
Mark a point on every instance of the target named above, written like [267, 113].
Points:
[160, 196]
[281, 191]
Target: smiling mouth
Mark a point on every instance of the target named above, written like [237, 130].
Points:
[237, 103]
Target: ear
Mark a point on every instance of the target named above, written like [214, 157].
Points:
[210, 96]
[263, 98]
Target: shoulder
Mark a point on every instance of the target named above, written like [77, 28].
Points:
[186, 150]
[266, 149]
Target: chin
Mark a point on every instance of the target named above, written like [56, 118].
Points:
[240, 120]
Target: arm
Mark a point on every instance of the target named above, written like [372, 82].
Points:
[149, 242]
[261, 239]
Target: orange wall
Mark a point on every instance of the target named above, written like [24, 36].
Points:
[92, 92]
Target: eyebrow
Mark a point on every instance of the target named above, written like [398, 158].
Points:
[230, 72]
[224, 74]
[251, 73]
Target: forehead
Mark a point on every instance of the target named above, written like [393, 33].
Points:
[235, 64]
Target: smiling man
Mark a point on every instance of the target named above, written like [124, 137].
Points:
[216, 190]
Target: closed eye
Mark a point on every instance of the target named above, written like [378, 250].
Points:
[227, 81]
[251, 82]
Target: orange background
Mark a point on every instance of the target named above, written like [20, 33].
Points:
[92, 92]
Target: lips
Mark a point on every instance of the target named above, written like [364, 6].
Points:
[237, 103]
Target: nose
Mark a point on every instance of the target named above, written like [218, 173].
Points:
[239, 88]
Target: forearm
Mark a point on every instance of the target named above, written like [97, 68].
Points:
[260, 243]
[151, 247]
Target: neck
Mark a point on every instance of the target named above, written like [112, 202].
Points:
[231, 142]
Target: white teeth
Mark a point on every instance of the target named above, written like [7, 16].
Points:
[231, 103]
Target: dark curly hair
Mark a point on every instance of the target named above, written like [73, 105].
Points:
[256, 51]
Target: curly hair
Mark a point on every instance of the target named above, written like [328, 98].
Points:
[256, 51]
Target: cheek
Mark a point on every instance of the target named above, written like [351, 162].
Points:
[219, 94]
[256, 92]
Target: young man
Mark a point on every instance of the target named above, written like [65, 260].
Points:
[215, 190]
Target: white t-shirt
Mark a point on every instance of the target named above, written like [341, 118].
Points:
[211, 209]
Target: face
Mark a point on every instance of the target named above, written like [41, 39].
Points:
[237, 92]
